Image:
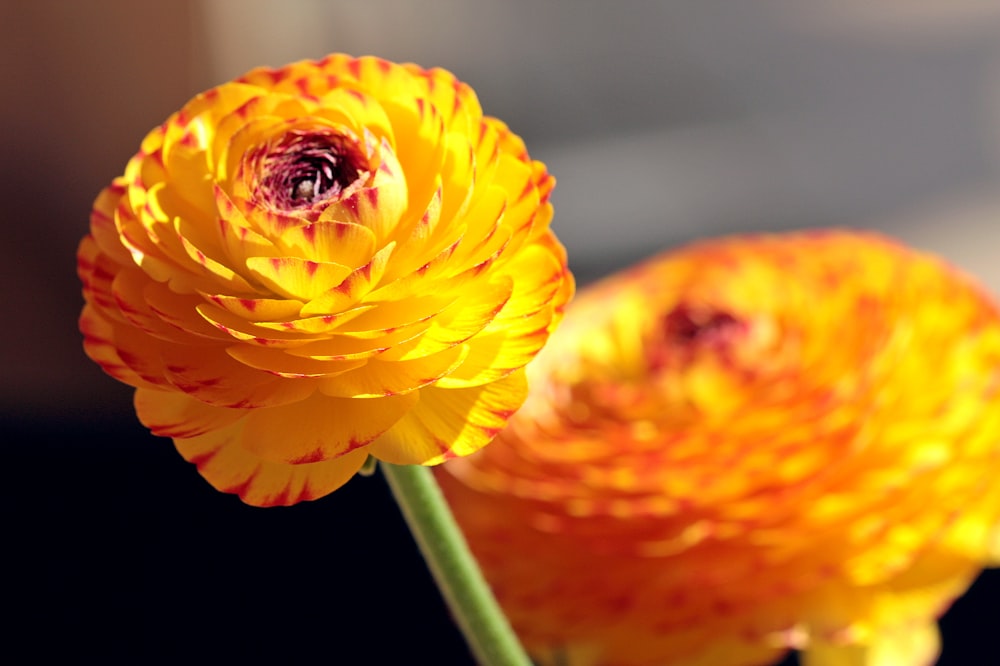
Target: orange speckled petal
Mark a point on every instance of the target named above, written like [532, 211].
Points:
[354, 287]
[296, 278]
[99, 344]
[451, 422]
[257, 309]
[129, 289]
[226, 464]
[320, 428]
[172, 414]
[321, 325]
[907, 645]
[102, 223]
[521, 328]
[388, 378]
[459, 322]
[277, 362]
[246, 331]
[354, 109]
[97, 273]
[208, 374]
[140, 353]
[343, 243]
[176, 309]
[215, 272]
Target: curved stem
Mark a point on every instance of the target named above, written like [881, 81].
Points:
[458, 576]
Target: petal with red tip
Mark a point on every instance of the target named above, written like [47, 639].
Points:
[320, 427]
[231, 468]
[448, 423]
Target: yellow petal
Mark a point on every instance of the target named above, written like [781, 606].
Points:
[320, 428]
[97, 272]
[522, 326]
[295, 278]
[256, 309]
[447, 423]
[226, 464]
[342, 243]
[907, 645]
[316, 326]
[388, 378]
[102, 223]
[172, 414]
[457, 323]
[130, 292]
[354, 287]
[99, 344]
[277, 362]
[210, 375]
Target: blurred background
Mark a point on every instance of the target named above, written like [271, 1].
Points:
[662, 121]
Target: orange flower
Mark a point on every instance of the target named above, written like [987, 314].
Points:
[745, 446]
[315, 264]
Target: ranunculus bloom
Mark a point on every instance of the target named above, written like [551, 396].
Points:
[745, 446]
[314, 264]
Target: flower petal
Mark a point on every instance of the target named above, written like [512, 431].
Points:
[380, 378]
[320, 428]
[522, 326]
[447, 423]
[99, 344]
[295, 278]
[172, 414]
[918, 645]
[226, 464]
[210, 375]
[343, 243]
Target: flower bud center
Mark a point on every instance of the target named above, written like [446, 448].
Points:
[684, 331]
[685, 325]
[307, 168]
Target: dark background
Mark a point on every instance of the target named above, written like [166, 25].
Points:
[662, 121]
[117, 549]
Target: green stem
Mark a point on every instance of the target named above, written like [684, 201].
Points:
[462, 584]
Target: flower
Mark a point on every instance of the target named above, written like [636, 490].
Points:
[745, 446]
[314, 264]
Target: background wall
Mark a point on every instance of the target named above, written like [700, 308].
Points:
[662, 121]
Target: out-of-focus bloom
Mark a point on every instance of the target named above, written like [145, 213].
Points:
[312, 264]
[745, 446]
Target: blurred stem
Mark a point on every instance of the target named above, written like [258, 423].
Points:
[458, 576]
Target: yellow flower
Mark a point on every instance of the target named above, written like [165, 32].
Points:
[745, 446]
[318, 263]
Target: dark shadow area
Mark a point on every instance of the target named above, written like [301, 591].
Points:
[118, 549]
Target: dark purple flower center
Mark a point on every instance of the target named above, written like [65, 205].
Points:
[685, 329]
[684, 325]
[306, 168]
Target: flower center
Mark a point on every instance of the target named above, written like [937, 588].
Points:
[685, 330]
[309, 168]
[685, 325]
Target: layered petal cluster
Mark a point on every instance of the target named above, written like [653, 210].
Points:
[314, 264]
[746, 446]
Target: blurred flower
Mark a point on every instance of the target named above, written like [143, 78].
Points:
[745, 446]
[312, 264]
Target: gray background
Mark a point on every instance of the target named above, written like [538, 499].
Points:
[662, 121]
